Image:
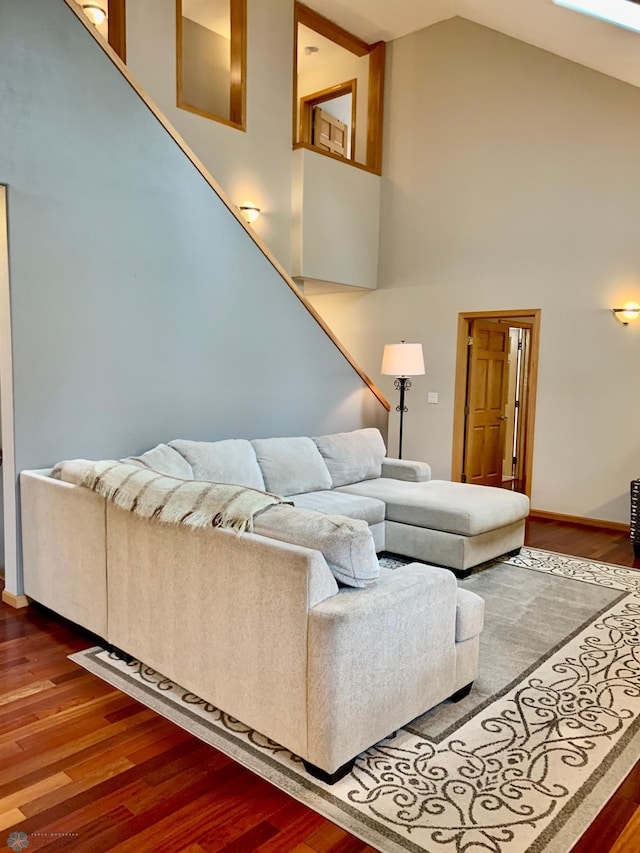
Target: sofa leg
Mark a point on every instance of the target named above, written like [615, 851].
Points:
[514, 553]
[461, 574]
[328, 778]
[462, 693]
[125, 656]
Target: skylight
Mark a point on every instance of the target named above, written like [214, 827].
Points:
[623, 13]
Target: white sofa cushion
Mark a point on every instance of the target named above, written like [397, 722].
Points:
[232, 460]
[346, 544]
[291, 465]
[337, 503]
[165, 460]
[461, 508]
[352, 456]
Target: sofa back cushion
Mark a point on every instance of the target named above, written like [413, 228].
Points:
[352, 456]
[346, 543]
[165, 460]
[230, 461]
[291, 466]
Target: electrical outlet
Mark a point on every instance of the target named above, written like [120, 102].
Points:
[432, 397]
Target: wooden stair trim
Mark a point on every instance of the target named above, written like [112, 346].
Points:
[177, 138]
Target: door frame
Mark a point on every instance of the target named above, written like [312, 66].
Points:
[13, 593]
[529, 316]
[314, 99]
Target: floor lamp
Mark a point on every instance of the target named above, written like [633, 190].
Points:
[402, 360]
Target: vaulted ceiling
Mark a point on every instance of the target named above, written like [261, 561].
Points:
[582, 39]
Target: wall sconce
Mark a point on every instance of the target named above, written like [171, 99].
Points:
[96, 14]
[250, 211]
[628, 313]
[402, 360]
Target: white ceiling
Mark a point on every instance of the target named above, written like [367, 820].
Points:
[583, 39]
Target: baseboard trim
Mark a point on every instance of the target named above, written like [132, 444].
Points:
[16, 601]
[578, 519]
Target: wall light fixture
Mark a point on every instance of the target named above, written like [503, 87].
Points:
[250, 211]
[629, 312]
[96, 14]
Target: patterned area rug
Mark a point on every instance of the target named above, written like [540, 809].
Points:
[522, 766]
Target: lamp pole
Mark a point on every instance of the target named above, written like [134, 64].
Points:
[402, 384]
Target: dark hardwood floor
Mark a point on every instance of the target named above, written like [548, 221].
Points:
[85, 768]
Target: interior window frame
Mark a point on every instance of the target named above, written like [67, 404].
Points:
[117, 27]
[315, 99]
[238, 69]
[376, 53]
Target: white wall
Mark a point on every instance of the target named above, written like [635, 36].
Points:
[510, 181]
[141, 310]
[336, 222]
[255, 165]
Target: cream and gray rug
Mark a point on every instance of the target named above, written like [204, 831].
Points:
[522, 765]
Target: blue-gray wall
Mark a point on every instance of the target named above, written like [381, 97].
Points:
[140, 308]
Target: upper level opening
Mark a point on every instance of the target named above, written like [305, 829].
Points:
[211, 50]
[338, 91]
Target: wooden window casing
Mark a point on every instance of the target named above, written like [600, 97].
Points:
[308, 102]
[376, 53]
[237, 73]
[117, 27]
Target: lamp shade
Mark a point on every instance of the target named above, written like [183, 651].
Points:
[402, 360]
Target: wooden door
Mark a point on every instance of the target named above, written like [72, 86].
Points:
[487, 388]
[329, 133]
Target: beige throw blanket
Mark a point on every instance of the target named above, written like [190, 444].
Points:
[194, 503]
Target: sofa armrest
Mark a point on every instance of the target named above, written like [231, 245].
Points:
[379, 657]
[406, 469]
[64, 549]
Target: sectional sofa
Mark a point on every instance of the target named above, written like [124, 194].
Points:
[292, 628]
[449, 524]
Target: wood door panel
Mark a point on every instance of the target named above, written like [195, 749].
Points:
[486, 394]
[480, 386]
[493, 456]
[485, 447]
[329, 133]
[495, 386]
[497, 340]
[475, 455]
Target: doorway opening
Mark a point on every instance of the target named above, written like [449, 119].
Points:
[328, 119]
[325, 56]
[495, 398]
